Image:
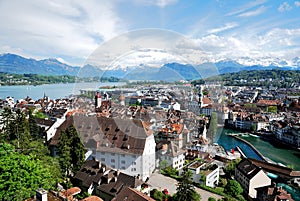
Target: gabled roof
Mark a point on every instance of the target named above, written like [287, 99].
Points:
[44, 122]
[108, 134]
[106, 179]
[247, 168]
[71, 191]
[91, 172]
[132, 194]
[92, 198]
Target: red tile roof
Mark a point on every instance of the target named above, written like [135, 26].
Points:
[268, 102]
[132, 194]
[71, 191]
[92, 198]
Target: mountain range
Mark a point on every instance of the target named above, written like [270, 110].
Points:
[12, 63]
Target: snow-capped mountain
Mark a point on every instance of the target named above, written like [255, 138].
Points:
[11, 63]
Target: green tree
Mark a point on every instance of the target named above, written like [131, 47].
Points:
[230, 167]
[35, 131]
[186, 189]
[163, 164]
[253, 127]
[71, 151]
[213, 124]
[233, 188]
[21, 175]
[222, 182]
[6, 118]
[211, 199]
[157, 195]
[272, 109]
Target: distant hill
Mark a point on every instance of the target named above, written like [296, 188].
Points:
[11, 63]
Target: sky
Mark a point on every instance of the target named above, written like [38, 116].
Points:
[72, 30]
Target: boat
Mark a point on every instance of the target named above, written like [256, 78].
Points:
[253, 135]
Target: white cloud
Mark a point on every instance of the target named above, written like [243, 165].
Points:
[285, 6]
[159, 3]
[164, 3]
[276, 43]
[276, 39]
[297, 3]
[252, 13]
[223, 28]
[55, 28]
[246, 7]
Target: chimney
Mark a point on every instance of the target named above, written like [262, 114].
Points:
[41, 195]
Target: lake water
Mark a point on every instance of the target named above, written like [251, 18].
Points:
[54, 91]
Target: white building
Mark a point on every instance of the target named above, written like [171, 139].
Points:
[172, 154]
[251, 177]
[127, 145]
[205, 173]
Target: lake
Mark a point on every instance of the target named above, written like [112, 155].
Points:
[54, 91]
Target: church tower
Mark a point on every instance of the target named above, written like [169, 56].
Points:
[122, 99]
[98, 100]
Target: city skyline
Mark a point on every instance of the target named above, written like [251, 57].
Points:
[71, 30]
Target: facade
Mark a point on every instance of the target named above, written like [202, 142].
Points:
[172, 154]
[251, 177]
[286, 133]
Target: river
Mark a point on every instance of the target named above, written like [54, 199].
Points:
[54, 91]
[278, 154]
[270, 150]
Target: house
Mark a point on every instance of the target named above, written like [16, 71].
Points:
[206, 173]
[127, 145]
[132, 194]
[251, 177]
[43, 195]
[97, 178]
[272, 193]
[171, 153]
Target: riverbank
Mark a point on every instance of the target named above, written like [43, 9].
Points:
[263, 158]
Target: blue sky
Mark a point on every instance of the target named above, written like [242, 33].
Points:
[70, 30]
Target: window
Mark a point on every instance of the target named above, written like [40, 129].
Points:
[123, 162]
[102, 153]
[112, 160]
[123, 155]
[102, 159]
[133, 169]
[113, 166]
[122, 168]
[112, 154]
[133, 163]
